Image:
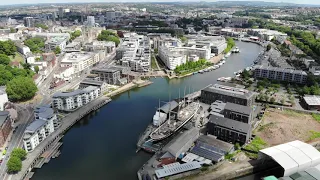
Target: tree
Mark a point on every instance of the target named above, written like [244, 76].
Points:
[75, 34]
[268, 47]
[4, 59]
[21, 88]
[57, 50]
[36, 69]
[35, 44]
[19, 152]
[107, 35]
[14, 164]
[156, 50]
[272, 100]
[283, 101]
[43, 26]
[8, 48]
[183, 39]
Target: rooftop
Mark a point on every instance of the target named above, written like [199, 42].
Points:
[229, 123]
[35, 125]
[312, 100]
[213, 141]
[92, 82]
[230, 91]
[68, 94]
[76, 57]
[179, 168]
[238, 108]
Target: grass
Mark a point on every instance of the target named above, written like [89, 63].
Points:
[17, 57]
[293, 113]
[316, 117]
[314, 135]
[256, 145]
[230, 156]
[263, 127]
[153, 63]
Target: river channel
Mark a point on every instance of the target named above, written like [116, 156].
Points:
[102, 145]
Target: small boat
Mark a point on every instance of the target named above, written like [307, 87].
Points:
[223, 61]
[235, 50]
[221, 79]
[201, 71]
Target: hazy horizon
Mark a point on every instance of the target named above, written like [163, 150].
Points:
[13, 2]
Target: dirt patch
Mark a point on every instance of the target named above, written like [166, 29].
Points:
[279, 127]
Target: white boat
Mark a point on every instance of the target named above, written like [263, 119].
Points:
[221, 79]
[235, 50]
[223, 61]
[216, 66]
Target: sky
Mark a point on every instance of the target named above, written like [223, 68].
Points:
[4, 2]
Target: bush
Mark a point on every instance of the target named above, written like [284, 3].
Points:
[19, 152]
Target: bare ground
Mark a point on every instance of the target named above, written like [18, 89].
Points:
[280, 127]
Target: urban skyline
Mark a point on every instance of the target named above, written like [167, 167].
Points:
[15, 2]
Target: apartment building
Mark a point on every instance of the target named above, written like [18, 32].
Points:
[71, 101]
[46, 113]
[81, 61]
[57, 41]
[134, 52]
[36, 132]
[226, 94]
[280, 74]
[170, 58]
[107, 46]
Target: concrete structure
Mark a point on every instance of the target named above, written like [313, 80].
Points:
[292, 156]
[28, 21]
[73, 47]
[115, 75]
[71, 101]
[134, 52]
[81, 61]
[58, 41]
[312, 102]
[3, 98]
[280, 74]
[227, 94]
[5, 126]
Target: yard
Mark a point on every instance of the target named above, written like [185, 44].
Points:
[18, 57]
[279, 127]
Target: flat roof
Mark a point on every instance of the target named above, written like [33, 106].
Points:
[229, 91]
[68, 94]
[212, 141]
[76, 57]
[164, 172]
[92, 82]
[312, 100]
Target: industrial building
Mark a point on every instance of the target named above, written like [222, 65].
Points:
[176, 168]
[311, 102]
[227, 94]
[293, 156]
[280, 74]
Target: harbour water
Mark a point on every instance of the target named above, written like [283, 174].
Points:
[103, 144]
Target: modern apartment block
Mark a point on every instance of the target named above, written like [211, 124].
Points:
[134, 52]
[170, 58]
[280, 74]
[227, 94]
[46, 113]
[71, 101]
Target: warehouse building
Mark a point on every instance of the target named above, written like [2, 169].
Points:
[227, 94]
[293, 156]
[311, 102]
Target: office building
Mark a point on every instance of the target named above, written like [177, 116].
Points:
[61, 12]
[280, 74]
[28, 21]
[115, 75]
[227, 94]
[71, 101]
[5, 126]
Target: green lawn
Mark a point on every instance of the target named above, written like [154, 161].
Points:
[316, 117]
[153, 63]
[256, 145]
[18, 58]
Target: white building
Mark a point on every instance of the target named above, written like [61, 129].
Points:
[64, 73]
[90, 21]
[170, 58]
[3, 98]
[266, 34]
[57, 41]
[23, 49]
[71, 101]
[81, 61]
[37, 131]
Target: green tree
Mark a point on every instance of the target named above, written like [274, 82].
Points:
[156, 50]
[268, 47]
[230, 44]
[43, 26]
[21, 88]
[57, 50]
[183, 39]
[35, 44]
[75, 34]
[14, 164]
[272, 100]
[8, 48]
[4, 59]
[106, 35]
[19, 152]
[36, 69]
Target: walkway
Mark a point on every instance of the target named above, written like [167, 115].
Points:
[67, 122]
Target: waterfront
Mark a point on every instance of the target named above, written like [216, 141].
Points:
[103, 144]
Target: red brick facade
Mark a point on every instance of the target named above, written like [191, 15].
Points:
[5, 130]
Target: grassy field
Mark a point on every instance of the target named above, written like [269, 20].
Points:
[18, 58]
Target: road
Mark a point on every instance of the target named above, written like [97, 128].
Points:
[24, 119]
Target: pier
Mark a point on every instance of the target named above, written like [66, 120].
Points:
[49, 147]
